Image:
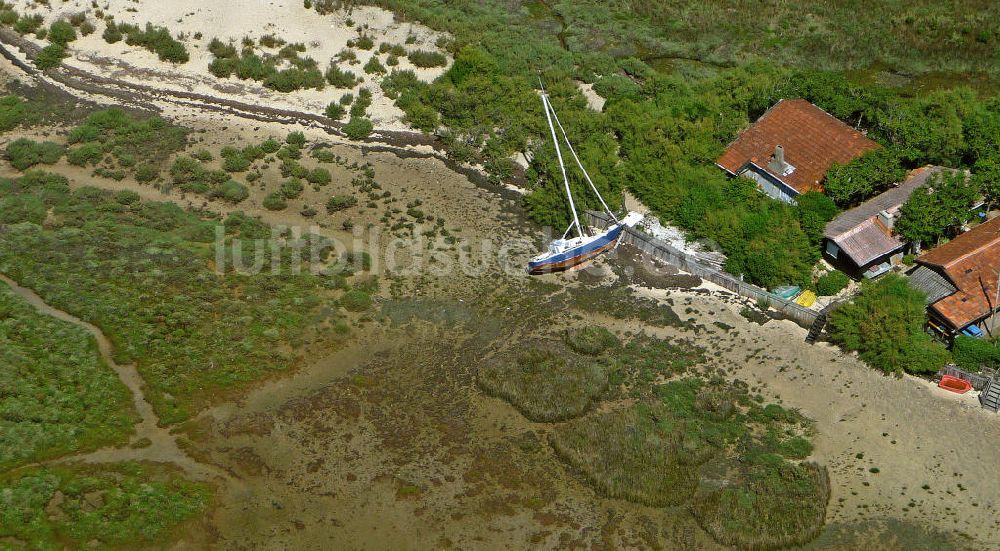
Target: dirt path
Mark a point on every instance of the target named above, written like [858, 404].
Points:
[151, 442]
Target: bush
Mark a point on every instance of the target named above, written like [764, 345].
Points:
[374, 66]
[61, 32]
[364, 42]
[972, 354]
[884, 324]
[51, 56]
[24, 153]
[28, 24]
[235, 163]
[275, 201]
[146, 173]
[335, 111]
[232, 192]
[830, 284]
[320, 176]
[89, 153]
[112, 34]
[87, 28]
[340, 202]
[425, 59]
[358, 128]
[292, 188]
[157, 40]
[297, 139]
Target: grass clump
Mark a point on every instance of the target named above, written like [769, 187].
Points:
[149, 139]
[232, 191]
[89, 153]
[292, 188]
[335, 110]
[296, 73]
[12, 112]
[591, 340]
[107, 506]
[24, 153]
[356, 300]
[546, 385]
[61, 32]
[58, 394]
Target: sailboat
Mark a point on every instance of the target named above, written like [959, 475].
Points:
[570, 251]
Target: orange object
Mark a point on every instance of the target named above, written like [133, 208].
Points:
[954, 384]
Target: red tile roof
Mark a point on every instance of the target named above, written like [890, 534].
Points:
[812, 139]
[971, 262]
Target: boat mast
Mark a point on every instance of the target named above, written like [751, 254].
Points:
[584, 170]
[562, 167]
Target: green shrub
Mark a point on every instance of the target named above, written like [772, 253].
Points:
[358, 128]
[319, 176]
[51, 56]
[297, 139]
[61, 32]
[235, 163]
[335, 111]
[112, 34]
[24, 153]
[347, 99]
[425, 59]
[341, 79]
[340, 202]
[292, 188]
[87, 28]
[146, 173]
[89, 153]
[270, 145]
[364, 42]
[831, 283]
[157, 40]
[885, 325]
[973, 354]
[356, 300]
[232, 192]
[8, 16]
[203, 155]
[28, 24]
[275, 201]
[374, 66]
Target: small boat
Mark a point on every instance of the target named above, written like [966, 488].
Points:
[954, 384]
[568, 252]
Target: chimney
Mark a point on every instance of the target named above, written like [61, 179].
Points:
[777, 164]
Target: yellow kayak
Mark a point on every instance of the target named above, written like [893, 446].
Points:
[807, 298]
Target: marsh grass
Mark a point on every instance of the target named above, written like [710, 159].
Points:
[124, 505]
[546, 384]
[56, 394]
[591, 340]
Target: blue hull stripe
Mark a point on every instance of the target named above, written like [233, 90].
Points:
[577, 254]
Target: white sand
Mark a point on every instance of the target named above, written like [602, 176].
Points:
[324, 36]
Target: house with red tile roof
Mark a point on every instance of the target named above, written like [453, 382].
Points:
[960, 279]
[861, 241]
[791, 147]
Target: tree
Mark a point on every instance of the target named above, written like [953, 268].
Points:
[863, 177]
[938, 208]
[815, 210]
[884, 324]
[986, 177]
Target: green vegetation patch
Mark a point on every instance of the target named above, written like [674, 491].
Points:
[831, 283]
[124, 136]
[284, 72]
[885, 325]
[56, 393]
[155, 39]
[591, 340]
[546, 384]
[142, 271]
[121, 505]
[707, 445]
[24, 153]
